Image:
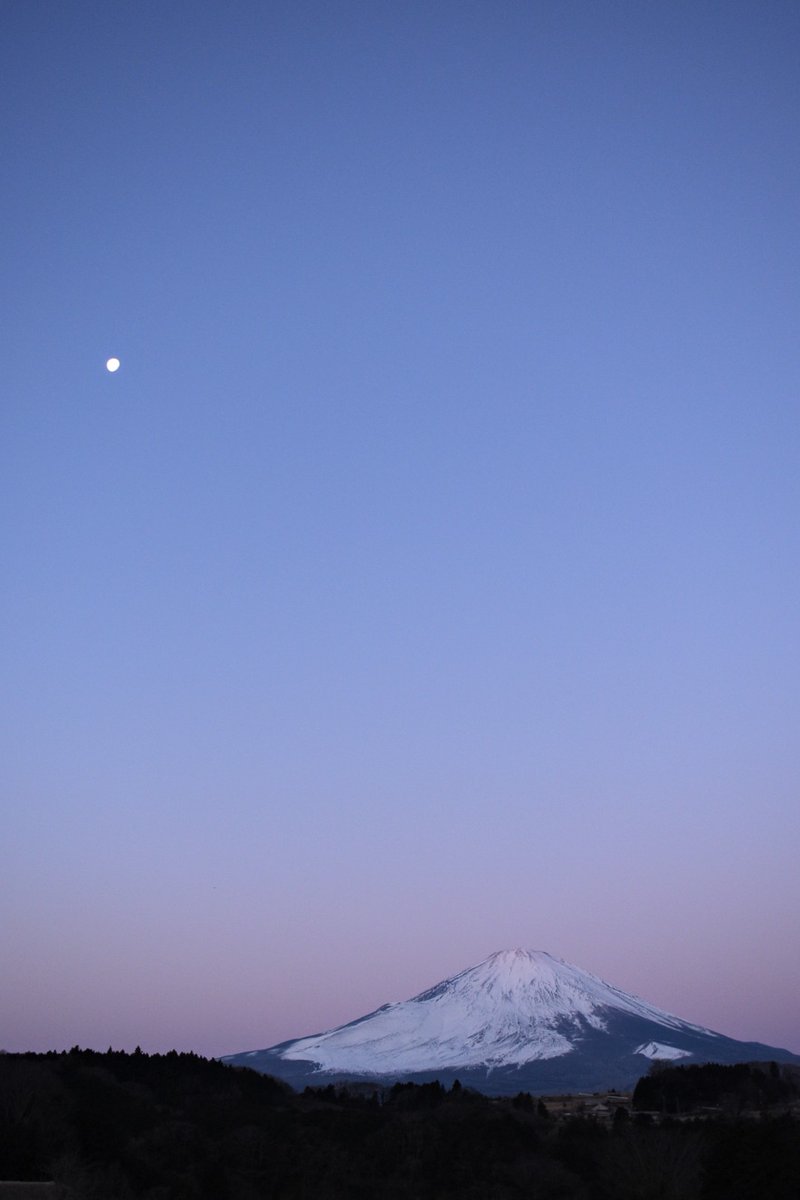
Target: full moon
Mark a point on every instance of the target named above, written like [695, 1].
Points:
[112, 365]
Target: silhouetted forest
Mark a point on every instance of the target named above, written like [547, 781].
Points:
[733, 1088]
[119, 1126]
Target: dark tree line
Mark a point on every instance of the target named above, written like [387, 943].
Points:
[741, 1087]
[119, 1126]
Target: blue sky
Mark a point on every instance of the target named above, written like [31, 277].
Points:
[426, 580]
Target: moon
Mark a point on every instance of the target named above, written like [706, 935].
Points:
[112, 365]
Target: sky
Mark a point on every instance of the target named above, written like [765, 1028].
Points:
[425, 582]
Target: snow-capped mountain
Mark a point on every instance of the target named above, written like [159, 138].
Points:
[521, 1019]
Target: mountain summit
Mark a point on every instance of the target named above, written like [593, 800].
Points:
[519, 1020]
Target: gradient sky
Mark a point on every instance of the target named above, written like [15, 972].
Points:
[426, 581]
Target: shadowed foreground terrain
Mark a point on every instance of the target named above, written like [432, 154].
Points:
[116, 1126]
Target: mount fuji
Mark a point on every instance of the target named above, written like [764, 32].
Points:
[521, 1020]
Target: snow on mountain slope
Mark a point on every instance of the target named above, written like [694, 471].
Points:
[663, 1053]
[516, 1007]
[521, 1020]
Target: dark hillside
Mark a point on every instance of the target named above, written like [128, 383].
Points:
[121, 1126]
[734, 1088]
